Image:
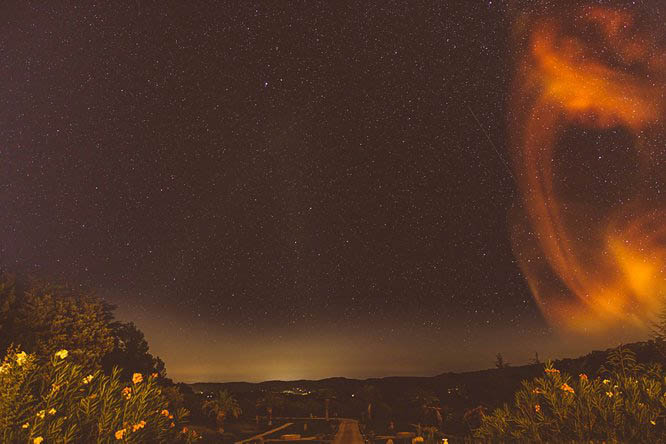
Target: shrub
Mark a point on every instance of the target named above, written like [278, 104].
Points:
[61, 401]
[46, 316]
[626, 404]
[43, 317]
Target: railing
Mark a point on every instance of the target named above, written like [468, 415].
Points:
[260, 436]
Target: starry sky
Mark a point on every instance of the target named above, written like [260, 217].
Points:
[301, 190]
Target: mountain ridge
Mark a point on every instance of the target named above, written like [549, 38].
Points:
[485, 385]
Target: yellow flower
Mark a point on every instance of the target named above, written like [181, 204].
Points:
[21, 357]
[62, 354]
[3, 368]
[164, 412]
[137, 378]
[52, 411]
[567, 388]
[38, 440]
[609, 394]
[87, 379]
[40, 414]
[127, 393]
[606, 381]
[652, 422]
[26, 425]
[138, 426]
[120, 433]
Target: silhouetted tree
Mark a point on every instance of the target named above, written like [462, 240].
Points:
[326, 394]
[222, 405]
[499, 361]
[473, 417]
[131, 353]
[536, 359]
[43, 317]
[429, 404]
[270, 401]
[369, 394]
[174, 397]
[7, 304]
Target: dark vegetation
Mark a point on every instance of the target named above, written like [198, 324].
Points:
[611, 395]
[43, 317]
[454, 402]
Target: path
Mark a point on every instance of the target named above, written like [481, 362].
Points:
[348, 433]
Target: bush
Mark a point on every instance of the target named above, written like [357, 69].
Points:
[61, 401]
[42, 317]
[626, 404]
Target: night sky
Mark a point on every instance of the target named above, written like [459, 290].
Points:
[287, 191]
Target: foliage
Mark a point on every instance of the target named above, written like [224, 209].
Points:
[44, 318]
[62, 401]
[429, 405]
[428, 434]
[271, 400]
[7, 302]
[370, 395]
[627, 403]
[327, 395]
[222, 405]
[130, 352]
[659, 331]
[173, 396]
[500, 362]
[474, 416]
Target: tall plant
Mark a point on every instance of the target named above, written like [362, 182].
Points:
[60, 401]
[627, 403]
[221, 406]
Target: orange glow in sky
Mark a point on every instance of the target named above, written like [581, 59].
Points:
[589, 267]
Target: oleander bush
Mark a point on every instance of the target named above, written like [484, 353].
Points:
[59, 401]
[625, 403]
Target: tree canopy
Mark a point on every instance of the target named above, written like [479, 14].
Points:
[42, 317]
[130, 352]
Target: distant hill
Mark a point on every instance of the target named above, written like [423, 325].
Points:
[491, 386]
